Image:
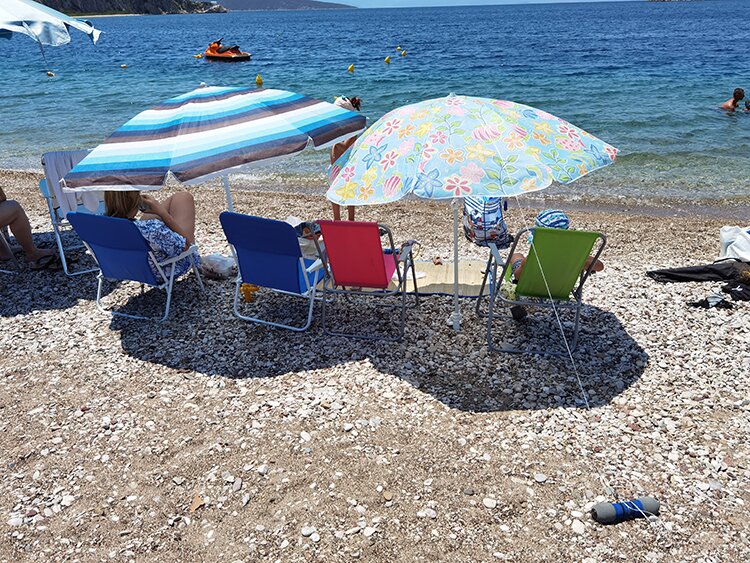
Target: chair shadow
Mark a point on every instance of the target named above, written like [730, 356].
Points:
[202, 335]
[27, 290]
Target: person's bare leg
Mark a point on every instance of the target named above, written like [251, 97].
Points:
[350, 212]
[181, 206]
[13, 215]
[336, 211]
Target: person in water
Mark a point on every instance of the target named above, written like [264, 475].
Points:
[734, 102]
[352, 104]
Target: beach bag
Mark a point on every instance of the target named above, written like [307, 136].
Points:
[483, 221]
[735, 243]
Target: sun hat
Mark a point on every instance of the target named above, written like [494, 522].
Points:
[551, 219]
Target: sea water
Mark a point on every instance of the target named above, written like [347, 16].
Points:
[646, 77]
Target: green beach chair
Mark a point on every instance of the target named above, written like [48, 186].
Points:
[552, 277]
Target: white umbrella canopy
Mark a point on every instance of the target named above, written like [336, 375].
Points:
[44, 25]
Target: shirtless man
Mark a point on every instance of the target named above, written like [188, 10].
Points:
[733, 103]
[352, 104]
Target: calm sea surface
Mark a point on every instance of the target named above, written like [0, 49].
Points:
[646, 77]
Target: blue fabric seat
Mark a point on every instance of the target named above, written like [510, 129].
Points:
[268, 255]
[122, 253]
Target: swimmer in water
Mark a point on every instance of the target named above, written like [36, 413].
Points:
[733, 103]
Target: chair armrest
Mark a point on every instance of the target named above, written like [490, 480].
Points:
[315, 266]
[192, 250]
[405, 252]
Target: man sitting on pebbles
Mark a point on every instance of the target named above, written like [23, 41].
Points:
[12, 215]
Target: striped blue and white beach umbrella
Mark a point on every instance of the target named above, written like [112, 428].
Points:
[209, 132]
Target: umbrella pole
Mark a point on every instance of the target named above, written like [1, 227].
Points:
[44, 56]
[230, 203]
[455, 318]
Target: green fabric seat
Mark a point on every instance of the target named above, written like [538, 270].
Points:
[562, 255]
[553, 276]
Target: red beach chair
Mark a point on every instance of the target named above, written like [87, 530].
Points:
[355, 259]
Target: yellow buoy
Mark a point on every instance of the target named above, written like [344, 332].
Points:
[50, 73]
[259, 81]
[123, 66]
[403, 53]
[398, 47]
[388, 60]
[198, 56]
[351, 68]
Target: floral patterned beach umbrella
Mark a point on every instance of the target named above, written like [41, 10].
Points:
[463, 146]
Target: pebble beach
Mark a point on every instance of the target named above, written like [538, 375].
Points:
[205, 438]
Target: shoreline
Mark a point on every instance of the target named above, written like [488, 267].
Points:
[663, 207]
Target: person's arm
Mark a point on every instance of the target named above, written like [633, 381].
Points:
[156, 208]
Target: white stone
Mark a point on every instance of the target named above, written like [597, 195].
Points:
[578, 527]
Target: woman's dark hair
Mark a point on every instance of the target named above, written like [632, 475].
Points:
[356, 102]
[739, 94]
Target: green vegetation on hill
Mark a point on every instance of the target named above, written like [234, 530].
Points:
[132, 6]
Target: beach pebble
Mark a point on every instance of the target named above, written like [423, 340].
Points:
[578, 526]
[540, 477]
[427, 513]
[307, 531]
[489, 502]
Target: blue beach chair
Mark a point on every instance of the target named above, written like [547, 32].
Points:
[123, 254]
[268, 255]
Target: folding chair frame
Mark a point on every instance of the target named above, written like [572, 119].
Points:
[6, 245]
[308, 294]
[405, 257]
[167, 283]
[59, 225]
[576, 303]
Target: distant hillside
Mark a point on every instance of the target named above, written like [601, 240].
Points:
[246, 5]
[132, 6]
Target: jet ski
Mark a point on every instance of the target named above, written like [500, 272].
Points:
[218, 52]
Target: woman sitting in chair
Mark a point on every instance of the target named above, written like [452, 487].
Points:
[551, 219]
[12, 215]
[167, 226]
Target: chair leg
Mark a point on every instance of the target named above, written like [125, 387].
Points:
[61, 252]
[9, 250]
[308, 321]
[490, 267]
[103, 309]
[197, 273]
[169, 288]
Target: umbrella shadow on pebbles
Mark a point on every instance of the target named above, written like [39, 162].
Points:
[202, 335]
[46, 289]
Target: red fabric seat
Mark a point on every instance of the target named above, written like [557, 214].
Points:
[355, 254]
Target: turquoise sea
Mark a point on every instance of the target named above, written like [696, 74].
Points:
[645, 77]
